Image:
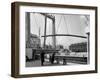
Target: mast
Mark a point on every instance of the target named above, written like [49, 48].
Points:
[45, 31]
[53, 33]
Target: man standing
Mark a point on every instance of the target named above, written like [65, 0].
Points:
[52, 58]
[42, 57]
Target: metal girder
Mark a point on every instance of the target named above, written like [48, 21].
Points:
[65, 35]
[49, 16]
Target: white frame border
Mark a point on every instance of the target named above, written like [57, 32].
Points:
[38, 70]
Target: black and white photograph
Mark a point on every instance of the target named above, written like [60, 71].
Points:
[57, 39]
[52, 39]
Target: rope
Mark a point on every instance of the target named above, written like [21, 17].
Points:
[70, 40]
[87, 19]
[66, 24]
[59, 24]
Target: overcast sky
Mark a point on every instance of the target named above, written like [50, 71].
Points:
[64, 24]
